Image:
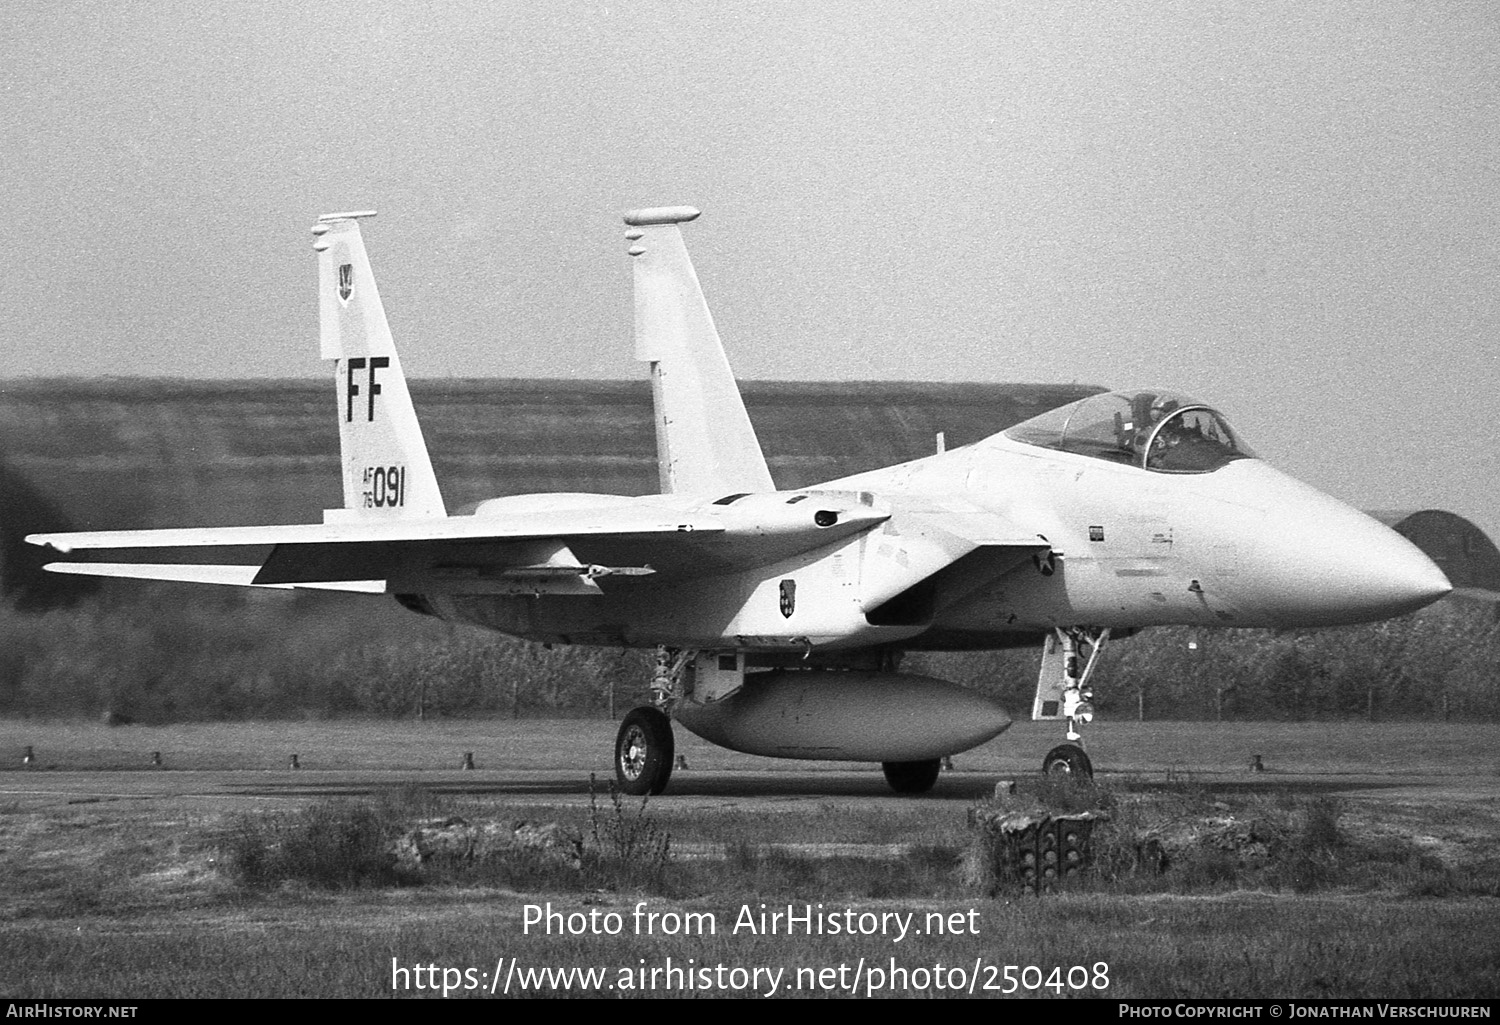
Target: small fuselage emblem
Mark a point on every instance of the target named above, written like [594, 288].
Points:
[788, 598]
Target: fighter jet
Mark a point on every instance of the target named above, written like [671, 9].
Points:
[779, 618]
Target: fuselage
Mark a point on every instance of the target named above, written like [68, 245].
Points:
[1110, 545]
[1242, 545]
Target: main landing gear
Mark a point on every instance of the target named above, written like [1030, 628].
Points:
[1062, 692]
[643, 752]
[644, 747]
[912, 777]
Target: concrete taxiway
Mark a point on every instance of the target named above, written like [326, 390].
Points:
[747, 789]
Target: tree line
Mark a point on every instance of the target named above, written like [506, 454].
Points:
[145, 654]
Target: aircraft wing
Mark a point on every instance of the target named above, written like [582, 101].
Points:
[552, 551]
[606, 520]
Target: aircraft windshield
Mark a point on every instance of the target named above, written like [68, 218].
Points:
[1157, 430]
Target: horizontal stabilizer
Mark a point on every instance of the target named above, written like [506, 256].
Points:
[243, 576]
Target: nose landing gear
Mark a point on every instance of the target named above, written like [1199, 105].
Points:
[1068, 760]
[1062, 692]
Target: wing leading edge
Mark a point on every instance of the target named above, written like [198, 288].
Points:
[557, 551]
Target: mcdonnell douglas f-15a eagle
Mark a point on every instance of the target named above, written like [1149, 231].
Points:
[779, 617]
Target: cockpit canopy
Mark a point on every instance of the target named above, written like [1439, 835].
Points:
[1156, 430]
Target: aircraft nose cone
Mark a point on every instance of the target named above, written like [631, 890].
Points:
[1351, 568]
[1415, 580]
[1387, 574]
[1311, 560]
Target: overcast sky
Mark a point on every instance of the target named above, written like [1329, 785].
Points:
[1289, 210]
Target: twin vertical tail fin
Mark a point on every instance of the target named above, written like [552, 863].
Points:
[387, 472]
[705, 443]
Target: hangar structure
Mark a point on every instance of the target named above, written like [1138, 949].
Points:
[1464, 552]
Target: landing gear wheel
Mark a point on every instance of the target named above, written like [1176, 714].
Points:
[1068, 760]
[643, 752]
[912, 777]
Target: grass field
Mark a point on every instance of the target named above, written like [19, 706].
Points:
[1203, 748]
[132, 896]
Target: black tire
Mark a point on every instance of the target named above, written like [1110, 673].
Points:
[912, 777]
[1068, 760]
[643, 752]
